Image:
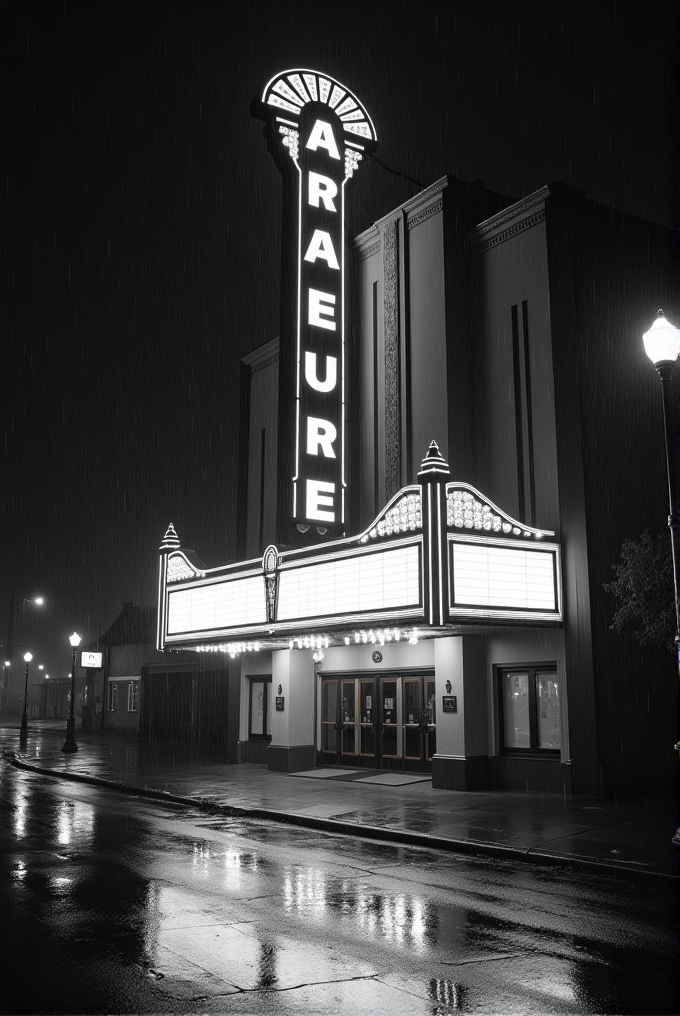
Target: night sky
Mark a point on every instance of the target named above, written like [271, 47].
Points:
[140, 233]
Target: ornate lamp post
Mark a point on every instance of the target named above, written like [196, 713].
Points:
[70, 742]
[23, 733]
[662, 345]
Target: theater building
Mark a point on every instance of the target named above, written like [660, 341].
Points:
[441, 455]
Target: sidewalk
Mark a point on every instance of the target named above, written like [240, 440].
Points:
[630, 839]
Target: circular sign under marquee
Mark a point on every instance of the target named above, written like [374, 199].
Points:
[377, 657]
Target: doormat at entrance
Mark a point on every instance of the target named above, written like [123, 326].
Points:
[396, 779]
[326, 774]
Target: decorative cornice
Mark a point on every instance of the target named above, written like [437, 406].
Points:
[424, 196]
[425, 213]
[411, 206]
[509, 233]
[265, 363]
[513, 211]
[368, 251]
[263, 356]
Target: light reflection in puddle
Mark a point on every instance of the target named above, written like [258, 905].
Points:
[75, 819]
[61, 882]
[401, 918]
[20, 821]
[20, 811]
[20, 871]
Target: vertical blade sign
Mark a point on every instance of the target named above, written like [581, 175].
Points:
[318, 133]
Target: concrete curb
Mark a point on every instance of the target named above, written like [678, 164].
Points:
[470, 848]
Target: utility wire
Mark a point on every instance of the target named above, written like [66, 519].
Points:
[395, 172]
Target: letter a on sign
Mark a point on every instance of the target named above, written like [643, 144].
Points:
[321, 246]
[320, 135]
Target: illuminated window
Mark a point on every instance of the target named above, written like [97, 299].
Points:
[133, 696]
[113, 697]
[259, 717]
[529, 710]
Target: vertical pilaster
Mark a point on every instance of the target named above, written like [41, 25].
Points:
[392, 372]
[433, 477]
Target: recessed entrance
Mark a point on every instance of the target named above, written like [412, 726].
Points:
[383, 722]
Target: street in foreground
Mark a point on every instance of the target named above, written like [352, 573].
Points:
[114, 904]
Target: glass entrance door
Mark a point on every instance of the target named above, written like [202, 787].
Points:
[385, 722]
[408, 723]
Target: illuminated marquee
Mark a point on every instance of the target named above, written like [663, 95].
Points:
[440, 555]
[324, 132]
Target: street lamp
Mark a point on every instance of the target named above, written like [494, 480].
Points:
[662, 345]
[5, 681]
[70, 742]
[23, 733]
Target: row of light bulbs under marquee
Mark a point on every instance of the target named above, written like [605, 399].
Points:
[378, 636]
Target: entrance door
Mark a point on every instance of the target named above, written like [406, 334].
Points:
[408, 718]
[379, 722]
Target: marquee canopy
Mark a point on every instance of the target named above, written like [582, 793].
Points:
[438, 556]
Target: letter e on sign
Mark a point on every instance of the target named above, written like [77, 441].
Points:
[320, 501]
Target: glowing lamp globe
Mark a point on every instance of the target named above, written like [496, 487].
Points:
[28, 657]
[74, 640]
[662, 341]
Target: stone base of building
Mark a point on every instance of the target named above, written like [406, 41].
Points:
[548, 775]
[453, 772]
[484, 772]
[282, 758]
[253, 751]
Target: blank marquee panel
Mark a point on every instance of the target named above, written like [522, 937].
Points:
[216, 606]
[379, 581]
[503, 577]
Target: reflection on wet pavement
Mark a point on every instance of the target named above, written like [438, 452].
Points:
[159, 910]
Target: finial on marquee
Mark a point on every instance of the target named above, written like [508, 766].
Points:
[170, 540]
[434, 464]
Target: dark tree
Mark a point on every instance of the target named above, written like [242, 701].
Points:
[644, 588]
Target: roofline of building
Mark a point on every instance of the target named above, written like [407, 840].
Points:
[409, 209]
[262, 356]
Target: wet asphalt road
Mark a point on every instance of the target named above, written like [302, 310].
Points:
[114, 904]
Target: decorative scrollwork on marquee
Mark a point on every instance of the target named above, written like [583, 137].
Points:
[291, 140]
[403, 517]
[270, 564]
[465, 511]
[178, 569]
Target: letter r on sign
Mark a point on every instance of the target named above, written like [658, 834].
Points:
[322, 188]
[320, 434]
